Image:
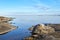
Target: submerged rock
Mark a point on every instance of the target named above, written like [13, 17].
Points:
[5, 26]
[29, 38]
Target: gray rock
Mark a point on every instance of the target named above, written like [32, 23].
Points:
[41, 29]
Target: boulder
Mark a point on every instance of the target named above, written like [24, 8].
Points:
[41, 29]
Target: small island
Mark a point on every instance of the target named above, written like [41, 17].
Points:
[5, 25]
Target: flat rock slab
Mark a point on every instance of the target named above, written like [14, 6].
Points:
[56, 34]
[5, 19]
[56, 26]
[5, 27]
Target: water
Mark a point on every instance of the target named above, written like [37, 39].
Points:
[24, 22]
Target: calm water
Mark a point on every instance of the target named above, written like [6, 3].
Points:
[24, 22]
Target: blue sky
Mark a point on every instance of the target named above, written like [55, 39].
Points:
[30, 7]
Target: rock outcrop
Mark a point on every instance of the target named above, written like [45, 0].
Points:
[42, 29]
[5, 26]
[41, 32]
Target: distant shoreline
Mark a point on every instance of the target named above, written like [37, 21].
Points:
[29, 15]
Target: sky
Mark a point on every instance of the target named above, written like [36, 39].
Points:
[29, 7]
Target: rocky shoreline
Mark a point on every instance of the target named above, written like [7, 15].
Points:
[44, 32]
[5, 26]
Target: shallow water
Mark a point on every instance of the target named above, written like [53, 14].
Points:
[24, 22]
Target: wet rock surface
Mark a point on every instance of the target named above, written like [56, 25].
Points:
[5, 26]
[44, 32]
